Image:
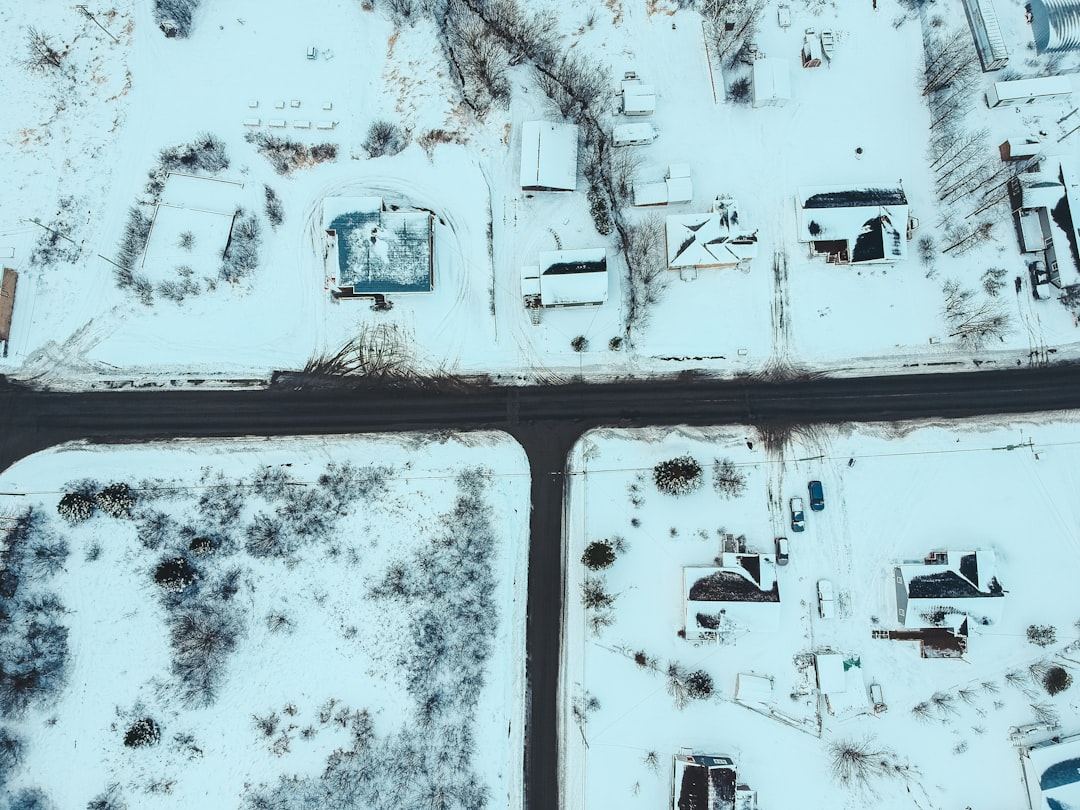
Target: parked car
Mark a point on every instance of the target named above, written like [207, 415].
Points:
[798, 519]
[825, 603]
[781, 551]
[817, 496]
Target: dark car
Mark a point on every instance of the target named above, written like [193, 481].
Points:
[817, 496]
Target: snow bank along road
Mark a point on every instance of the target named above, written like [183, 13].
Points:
[546, 420]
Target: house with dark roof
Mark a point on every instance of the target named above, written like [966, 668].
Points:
[865, 224]
[1052, 773]
[708, 782]
[946, 586]
[372, 249]
[1046, 211]
[566, 278]
[741, 593]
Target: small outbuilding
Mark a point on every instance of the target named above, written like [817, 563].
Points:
[676, 187]
[986, 33]
[771, 79]
[549, 156]
[638, 98]
[633, 134]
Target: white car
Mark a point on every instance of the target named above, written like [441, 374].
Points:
[825, 601]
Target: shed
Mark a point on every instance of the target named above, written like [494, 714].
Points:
[638, 98]
[812, 53]
[985, 31]
[1029, 91]
[676, 187]
[549, 156]
[1019, 149]
[1055, 24]
[772, 82]
[573, 278]
[830, 673]
[753, 689]
[633, 134]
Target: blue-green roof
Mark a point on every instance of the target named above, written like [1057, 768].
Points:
[384, 251]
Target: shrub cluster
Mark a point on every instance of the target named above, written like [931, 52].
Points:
[384, 138]
[1042, 635]
[286, 155]
[598, 554]
[677, 476]
[727, 479]
[275, 211]
[174, 16]
[242, 253]
[142, 733]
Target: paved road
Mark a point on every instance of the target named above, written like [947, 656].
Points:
[546, 420]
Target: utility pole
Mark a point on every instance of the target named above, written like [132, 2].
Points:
[93, 19]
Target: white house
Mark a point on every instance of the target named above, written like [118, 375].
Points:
[637, 98]
[715, 239]
[676, 187]
[740, 594]
[948, 583]
[771, 79]
[1052, 773]
[549, 156]
[567, 278]
[854, 224]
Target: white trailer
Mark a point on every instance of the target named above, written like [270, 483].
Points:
[633, 135]
[1029, 91]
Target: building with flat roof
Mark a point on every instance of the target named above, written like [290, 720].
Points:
[566, 278]
[549, 156]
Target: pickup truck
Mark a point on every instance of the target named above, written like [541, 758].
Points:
[825, 602]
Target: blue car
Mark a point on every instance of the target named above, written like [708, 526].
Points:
[817, 496]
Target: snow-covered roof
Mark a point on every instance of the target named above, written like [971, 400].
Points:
[716, 239]
[955, 581]
[573, 277]
[742, 591]
[872, 220]
[1053, 774]
[754, 689]
[624, 133]
[704, 781]
[772, 81]
[1055, 24]
[638, 98]
[662, 192]
[549, 156]
[1023, 89]
[831, 677]
[379, 251]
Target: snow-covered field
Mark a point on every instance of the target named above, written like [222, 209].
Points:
[892, 493]
[82, 138]
[306, 623]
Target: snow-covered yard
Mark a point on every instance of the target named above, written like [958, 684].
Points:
[893, 493]
[82, 151]
[286, 624]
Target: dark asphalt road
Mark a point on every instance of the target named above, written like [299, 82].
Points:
[546, 420]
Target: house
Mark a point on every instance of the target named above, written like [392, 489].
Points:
[676, 187]
[373, 250]
[854, 224]
[1052, 773]
[948, 583]
[549, 156]
[715, 239]
[566, 278]
[637, 98]
[1055, 24]
[192, 226]
[1046, 211]
[708, 782]
[985, 31]
[741, 593]
[771, 79]
[1019, 149]
[1029, 91]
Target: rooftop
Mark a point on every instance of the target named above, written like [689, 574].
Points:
[379, 251]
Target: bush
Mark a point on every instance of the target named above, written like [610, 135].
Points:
[263, 538]
[202, 637]
[1056, 679]
[109, 800]
[699, 685]
[31, 799]
[275, 212]
[579, 344]
[174, 16]
[242, 254]
[594, 595]
[142, 733]
[76, 507]
[677, 476]
[600, 210]
[46, 557]
[598, 554]
[203, 546]
[286, 155]
[1042, 635]
[11, 753]
[206, 154]
[740, 90]
[116, 500]
[727, 479]
[384, 138]
[175, 575]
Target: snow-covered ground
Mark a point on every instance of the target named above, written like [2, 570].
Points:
[80, 151]
[411, 551]
[892, 493]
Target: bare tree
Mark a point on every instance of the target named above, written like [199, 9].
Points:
[973, 321]
[378, 351]
[41, 55]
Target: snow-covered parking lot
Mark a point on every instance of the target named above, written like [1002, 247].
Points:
[893, 494]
